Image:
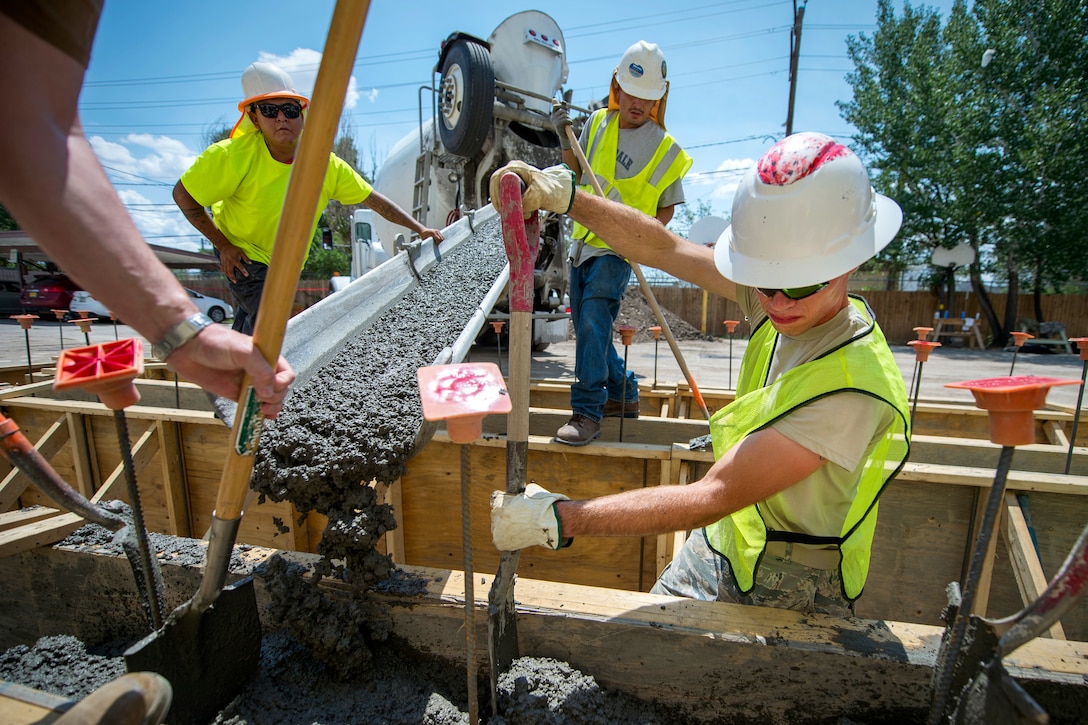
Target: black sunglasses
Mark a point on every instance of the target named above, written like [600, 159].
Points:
[272, 110]
[794, 293]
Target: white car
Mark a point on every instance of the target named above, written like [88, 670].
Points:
[213, 307]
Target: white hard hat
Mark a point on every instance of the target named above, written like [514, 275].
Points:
[265, 80]
[804, 214]
[641, 72]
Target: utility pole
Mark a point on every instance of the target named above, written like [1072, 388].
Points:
[795, 53]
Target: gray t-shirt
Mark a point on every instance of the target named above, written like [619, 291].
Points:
[842, 428]
[634, 149]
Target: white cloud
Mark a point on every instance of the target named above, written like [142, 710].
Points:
[719, 185]
[371, 95]
[302, 65]
[167, 159]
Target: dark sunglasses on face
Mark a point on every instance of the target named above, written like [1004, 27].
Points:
[793, 293]
[272, 110]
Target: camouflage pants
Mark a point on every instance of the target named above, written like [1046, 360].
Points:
[698, 572]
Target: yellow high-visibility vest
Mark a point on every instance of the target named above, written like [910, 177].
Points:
[863, 365]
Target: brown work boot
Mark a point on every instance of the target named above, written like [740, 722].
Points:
[613, 408]
[138, 698]
[578, 431]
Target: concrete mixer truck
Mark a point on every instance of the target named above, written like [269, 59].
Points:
[492, 103]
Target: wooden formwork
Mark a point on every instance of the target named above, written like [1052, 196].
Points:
[924, 539]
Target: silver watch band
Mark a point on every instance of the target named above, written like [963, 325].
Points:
[180, 334]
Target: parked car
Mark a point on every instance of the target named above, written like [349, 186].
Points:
[213, 307]
[49, 292]
[9, 298]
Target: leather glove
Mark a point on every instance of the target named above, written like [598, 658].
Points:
[551, 189]
[526, 519]
[561, 121]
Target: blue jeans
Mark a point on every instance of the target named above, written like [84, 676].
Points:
[596, 289]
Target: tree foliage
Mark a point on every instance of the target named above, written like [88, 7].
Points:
[984, 154]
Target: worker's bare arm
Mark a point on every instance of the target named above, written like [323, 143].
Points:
[384, 206]
[231, 258]
[645, 240]
[760, 466]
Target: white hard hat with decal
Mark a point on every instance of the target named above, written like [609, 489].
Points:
[804, 214]
[641, 72]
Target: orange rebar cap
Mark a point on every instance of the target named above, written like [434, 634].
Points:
[1010, 402]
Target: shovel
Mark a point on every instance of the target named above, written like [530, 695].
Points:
[210, 645]
[988, 694]
[521, 238]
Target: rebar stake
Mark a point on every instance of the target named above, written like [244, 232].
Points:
[1010, 402]
[922, 348]
[497, 325]
[462, 395]
[627, 334]
[1018, 339]
[730, 326]
[26, 322]
[85, 327]
[1082, 348]
[60, 328]
[656, 330]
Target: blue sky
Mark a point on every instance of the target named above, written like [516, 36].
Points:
[162, 74]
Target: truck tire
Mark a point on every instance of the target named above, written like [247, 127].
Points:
[465, 98]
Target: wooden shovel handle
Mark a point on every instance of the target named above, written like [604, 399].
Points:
[293, 239]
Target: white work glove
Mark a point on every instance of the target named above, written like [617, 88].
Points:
[561, 121]
[526, 519]
[551, 189]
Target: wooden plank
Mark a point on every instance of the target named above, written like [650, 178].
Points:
[84, 465]
[38, 533]
[21, 705]
[1056, 434]
[1026, 565]
[14, 519]
[142, 453]
[394, 540]
[133, 412]
[173, 476]
[16, 482]
[982, 590]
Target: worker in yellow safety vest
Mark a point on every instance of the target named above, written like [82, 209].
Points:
[639, 164]
[820, 425]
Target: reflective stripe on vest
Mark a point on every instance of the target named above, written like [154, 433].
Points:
[862, 365]
[643, 190]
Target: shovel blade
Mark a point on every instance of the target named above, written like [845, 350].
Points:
[207, 656]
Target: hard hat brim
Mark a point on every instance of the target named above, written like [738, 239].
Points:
[755, 272]
[303, 100]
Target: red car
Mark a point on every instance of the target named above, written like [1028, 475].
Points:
[49, 292]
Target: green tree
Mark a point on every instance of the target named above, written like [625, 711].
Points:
[323, 262]
[337, 215]
[979, 154]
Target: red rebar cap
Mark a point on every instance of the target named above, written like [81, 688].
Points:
[731, 325]
[1082, 346]
[462, 395]
[1010, 402]
[922, 332]
[922, 348]
[1019, 337]
[106, 369]
[25, 321]
[627, 334]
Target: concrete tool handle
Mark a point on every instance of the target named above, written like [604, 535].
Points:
[643, 285]
[521, 238]
[293, 238]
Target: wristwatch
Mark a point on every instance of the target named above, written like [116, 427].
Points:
[180, 334]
